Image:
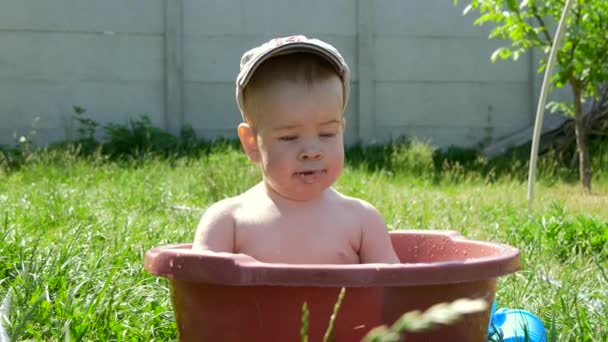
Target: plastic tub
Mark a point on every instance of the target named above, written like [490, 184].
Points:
[232, 297]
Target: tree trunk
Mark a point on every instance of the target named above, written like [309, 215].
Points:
[581, 138]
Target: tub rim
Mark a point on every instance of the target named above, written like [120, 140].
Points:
[180, 263]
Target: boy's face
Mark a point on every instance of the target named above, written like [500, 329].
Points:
[300, 137]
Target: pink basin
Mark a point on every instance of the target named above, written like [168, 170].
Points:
[229, 297]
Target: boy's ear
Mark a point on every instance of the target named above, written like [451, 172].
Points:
[343, 123]
[249, 142]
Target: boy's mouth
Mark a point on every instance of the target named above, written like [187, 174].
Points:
[310, 176]
[310, 172]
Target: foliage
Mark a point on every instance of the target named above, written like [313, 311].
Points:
[582, 59]
[565, 234]
[574, 235]
[527, 24]
[134, 141]
[420, 161]
[86, 128]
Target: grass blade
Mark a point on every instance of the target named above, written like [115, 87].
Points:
[329, 334]
[304, 328]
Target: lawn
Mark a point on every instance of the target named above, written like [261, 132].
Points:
[74, 231]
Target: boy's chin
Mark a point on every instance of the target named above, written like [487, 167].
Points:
[302, 195]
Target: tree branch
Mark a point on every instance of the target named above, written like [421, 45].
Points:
[574, 44]
[577, 14]
[541, 22]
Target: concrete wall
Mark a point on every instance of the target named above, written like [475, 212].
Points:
[216, 33]
[419, 68]
[106, 56]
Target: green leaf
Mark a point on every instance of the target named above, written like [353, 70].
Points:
[512, 5]
[467, 9]
[516, 55]
[503, 53]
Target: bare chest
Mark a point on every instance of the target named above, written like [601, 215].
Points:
[299, 239]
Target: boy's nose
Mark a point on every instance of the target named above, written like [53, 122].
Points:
[310, 154]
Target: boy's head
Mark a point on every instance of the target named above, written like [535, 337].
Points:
[292, 93]
[314, 59]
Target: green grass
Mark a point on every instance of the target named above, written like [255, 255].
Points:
[75, 228]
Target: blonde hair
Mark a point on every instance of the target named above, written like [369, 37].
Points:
[300, 68]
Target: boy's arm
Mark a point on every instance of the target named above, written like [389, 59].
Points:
[376, 246]
[215, 231]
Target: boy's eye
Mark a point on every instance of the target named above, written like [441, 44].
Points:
[327, 135]
[288, 138]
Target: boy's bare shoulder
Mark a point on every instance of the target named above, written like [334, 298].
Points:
[224, 207]
[356, 204]
[215, 230]
[367, 214]
[230, 206]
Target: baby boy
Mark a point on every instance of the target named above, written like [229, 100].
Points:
[292, 93]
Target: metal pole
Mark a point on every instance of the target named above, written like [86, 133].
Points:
[540, 110]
